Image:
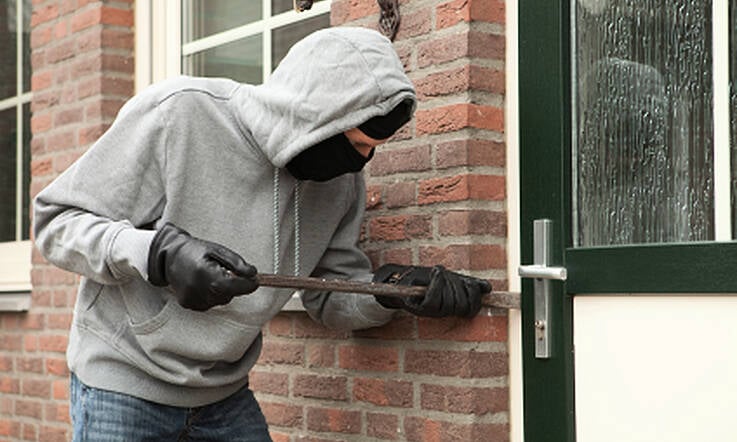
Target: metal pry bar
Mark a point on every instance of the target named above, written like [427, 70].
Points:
[340, 285]
[506, 300]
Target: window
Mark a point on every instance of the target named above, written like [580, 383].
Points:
[652, 128]
[243, 40]
[15, 138]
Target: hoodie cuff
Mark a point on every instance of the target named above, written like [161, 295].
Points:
[129, 252]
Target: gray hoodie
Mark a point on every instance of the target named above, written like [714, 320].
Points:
[208, 155]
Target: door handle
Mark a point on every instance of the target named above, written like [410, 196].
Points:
[543, 275]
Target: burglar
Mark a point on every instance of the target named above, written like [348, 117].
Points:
[198, 183]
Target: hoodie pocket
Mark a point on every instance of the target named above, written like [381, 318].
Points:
[179, 340]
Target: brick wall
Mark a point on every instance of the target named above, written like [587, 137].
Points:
[82, 61]
[436, 195]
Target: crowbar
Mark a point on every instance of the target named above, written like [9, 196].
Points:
[496, 299]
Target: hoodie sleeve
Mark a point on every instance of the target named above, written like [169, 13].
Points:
[85, 221]
[344, 260]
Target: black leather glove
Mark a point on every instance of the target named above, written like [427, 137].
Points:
[448, 293]
[202, 274]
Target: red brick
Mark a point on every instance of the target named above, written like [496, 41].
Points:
[398, 228]
[442, 83]
[471, 152]
[363, 357]
[41, 80]
[401, 194]
[487, 79]
[464, 400]
[463, 364]
[283, 415]
[43, 14]
[384, 393]
[60, 389]
[27, 408]
[465, 257]
[321, 355]
[450, 13]
[30, 364]
[482, 328]
[420, 429]
[445, 48]
[415, 23]
[9, 385]
[472, 222]
[461, 187]
[267, 382]
[40, 388]
[333, 420]
[281, 325]
[57, 366]
[305, 327]
[9, 428]
[342, 11]
[383, 426]
[321, 387]
[455, 117]
[400, 328]
[486, 46]
[280, 352]
[48, 433]
[373, 197]
[411, 159]
[53, 343]
[57, 412]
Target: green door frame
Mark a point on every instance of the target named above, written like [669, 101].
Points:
[544, 115]
[545, 168]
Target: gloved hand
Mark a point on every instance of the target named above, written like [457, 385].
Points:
[448, 293]
[201, 274]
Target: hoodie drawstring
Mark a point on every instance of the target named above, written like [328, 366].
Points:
[276, 223]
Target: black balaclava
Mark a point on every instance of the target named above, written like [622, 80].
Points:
[327, 160]
[336, 155]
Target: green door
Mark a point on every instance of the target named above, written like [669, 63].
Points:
[627, 139]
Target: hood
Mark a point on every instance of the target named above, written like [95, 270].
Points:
[330, 81]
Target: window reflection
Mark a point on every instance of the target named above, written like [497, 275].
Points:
[643, 122]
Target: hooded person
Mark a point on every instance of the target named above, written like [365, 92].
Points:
[198, 183]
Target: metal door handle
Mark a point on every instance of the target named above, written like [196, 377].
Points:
[543, 272]
[543, 275]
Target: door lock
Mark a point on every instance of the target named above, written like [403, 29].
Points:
[543, 275]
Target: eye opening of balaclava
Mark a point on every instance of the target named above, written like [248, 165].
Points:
[336, 155]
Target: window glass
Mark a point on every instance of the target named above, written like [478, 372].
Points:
[240, 60]
[8, 48]
[643, 125]
[284, 37]
[8, 165]
[26, 171]
[206, 17]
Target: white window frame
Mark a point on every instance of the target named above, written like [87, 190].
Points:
[15, 256]
[159, 48]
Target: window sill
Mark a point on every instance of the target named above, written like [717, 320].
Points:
[15, 301]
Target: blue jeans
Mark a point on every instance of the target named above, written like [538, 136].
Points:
[100, 415]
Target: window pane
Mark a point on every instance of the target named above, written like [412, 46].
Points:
[240, 60]
[26, 216]
[206, 17]
[8, 165]
[8, 39]
[283, 38]
[643, 128]
[26, 45]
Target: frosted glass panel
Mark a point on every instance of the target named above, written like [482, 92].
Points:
[643, 130]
